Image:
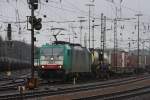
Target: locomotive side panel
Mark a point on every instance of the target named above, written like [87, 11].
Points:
[80, 60]
[67, 58]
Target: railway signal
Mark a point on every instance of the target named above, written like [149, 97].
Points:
[33, 4]
[9, 30]
[36, 22]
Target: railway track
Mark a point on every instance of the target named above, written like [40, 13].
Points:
[12, 85]
[14, 75]
[71, 89]
[12, 82]
[122, 95]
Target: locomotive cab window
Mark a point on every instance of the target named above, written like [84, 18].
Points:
[52, 55]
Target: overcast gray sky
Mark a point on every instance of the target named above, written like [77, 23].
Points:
[70, 10]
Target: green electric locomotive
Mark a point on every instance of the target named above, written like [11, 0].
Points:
[61, 60]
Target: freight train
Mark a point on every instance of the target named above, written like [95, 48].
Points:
[63, 60]
[14, 55]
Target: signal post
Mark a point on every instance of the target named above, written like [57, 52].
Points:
[35, 24]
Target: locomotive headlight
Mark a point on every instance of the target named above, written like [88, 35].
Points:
[42, 66]
[60, 66]
[52, 58]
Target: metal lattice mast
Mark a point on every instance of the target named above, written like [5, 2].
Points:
[115, 42]
[81, 27]
[93, 33]
[89, 25]
[138, 15]
[103, 35]
[104, 44]
[102, 31]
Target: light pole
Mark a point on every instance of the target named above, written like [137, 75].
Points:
[89, 5]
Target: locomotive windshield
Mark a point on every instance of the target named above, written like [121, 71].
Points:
[51, 56]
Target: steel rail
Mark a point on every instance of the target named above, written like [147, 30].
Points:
[119, 95]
